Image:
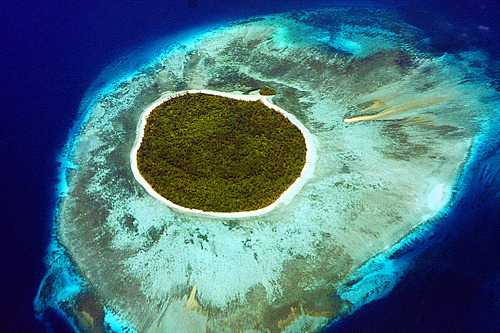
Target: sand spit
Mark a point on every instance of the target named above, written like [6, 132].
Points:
[306, 173]
[380, 105]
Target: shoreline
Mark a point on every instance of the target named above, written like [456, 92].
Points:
[284, 198]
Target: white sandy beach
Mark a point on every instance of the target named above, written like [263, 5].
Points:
[285, 197]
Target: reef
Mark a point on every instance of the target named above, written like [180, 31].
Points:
[374, 180]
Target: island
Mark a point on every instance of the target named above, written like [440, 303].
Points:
[212, 153]
[266, 91]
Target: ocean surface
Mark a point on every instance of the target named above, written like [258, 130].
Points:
[52, 55]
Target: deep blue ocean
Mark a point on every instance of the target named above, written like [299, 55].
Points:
[51, 53]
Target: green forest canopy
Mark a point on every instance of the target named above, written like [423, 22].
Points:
[219, 154]
[267, 91]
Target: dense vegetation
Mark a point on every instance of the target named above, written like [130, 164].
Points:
[267, 91]
[219, 154]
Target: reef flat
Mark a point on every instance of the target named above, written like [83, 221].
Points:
[375, 178]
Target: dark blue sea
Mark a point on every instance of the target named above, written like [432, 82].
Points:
[51, 53]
